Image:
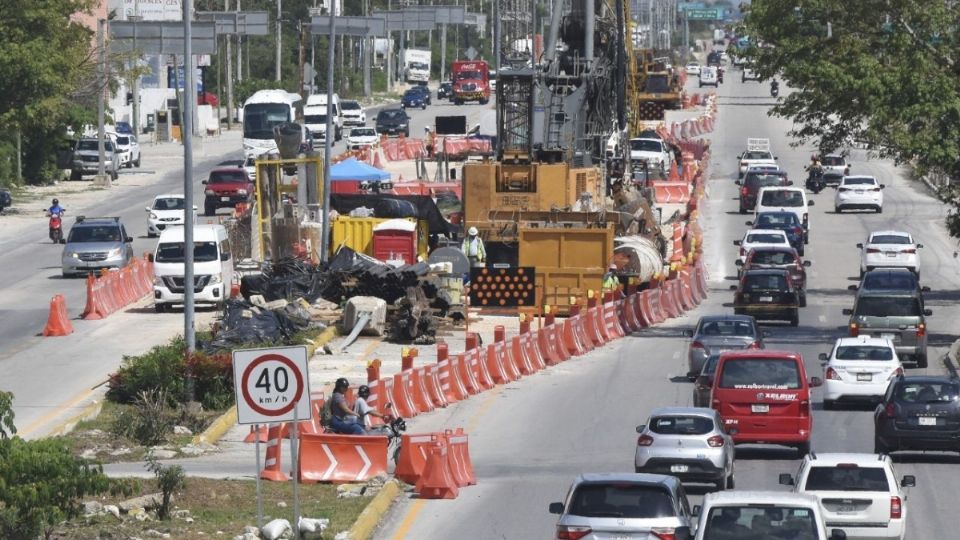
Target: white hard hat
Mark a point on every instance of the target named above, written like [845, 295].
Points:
[472, 231]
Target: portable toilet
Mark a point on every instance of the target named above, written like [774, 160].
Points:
[395, 240]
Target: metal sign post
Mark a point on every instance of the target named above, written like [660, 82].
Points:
[273, 385]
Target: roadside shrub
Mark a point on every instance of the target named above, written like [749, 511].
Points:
[149, 421]
[213, 379]
[170, 478]
[161, 368]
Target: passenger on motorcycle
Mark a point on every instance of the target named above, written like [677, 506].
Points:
[364, 411]
[342, 419]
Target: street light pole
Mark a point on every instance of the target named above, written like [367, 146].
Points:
[279, 17]
[189, 104]
[328, 141]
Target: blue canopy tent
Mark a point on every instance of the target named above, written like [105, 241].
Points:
[351, 169]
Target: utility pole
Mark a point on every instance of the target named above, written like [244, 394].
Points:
[239, 51]
[443, 50]
[226, 7]
[328, 140]
[189, 104]
[101, 105]
[367, 45]
[279, 17]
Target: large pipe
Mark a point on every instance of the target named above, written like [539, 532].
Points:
[590, 14]
[551, 51]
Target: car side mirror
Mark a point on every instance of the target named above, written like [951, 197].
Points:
[775, 157]
[919, 246]
[737, 242]
[860, 245]
[703, 380]
[733, 287]
[641, 428]
[194, 208]
[149, 257]
[738, 262]
[909, 480]
[838, 534]
[809, 203]
[789, 183]
[688, 333]
[738, 183]
[882, 186]
[128, 239]
[786, 479]
[204, 182]
[852, 287]
[924, 289]
[147, 208]
[748, 223]
[847, 311]
[928, 312]
[682, 533]
[696, 510]
[815, 382]
[807, 264]
[556, 508]
[225, 256]
[823, 356]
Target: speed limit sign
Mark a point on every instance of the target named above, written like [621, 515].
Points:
[272, 385]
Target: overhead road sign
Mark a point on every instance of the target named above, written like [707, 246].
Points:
[349, 26]
[244, 23]
[712, 14]
[398, 21]
[444, 14]
[161, 37]
[272, 385]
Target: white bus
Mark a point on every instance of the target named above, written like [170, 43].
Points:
[261, 112]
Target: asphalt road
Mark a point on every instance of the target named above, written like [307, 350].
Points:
[530, 438]
[53, 377]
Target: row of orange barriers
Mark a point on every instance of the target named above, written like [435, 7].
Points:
[114, 290]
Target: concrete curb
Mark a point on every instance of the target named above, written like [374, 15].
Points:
[227, 420]
[90, 411]
[368, 520]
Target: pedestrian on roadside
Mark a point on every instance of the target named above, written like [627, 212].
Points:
[473, 248]
[611, 283]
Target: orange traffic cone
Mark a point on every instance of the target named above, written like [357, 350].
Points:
[57, 323]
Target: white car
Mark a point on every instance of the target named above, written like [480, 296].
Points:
[860, 193]
[353, 113]
[858, 369]
[762, 514]
[756, 238]
[786, 199]
[858, 493]
[835, 163]
[693, 68]
[757, 153]
[889, 249]
[362, 136]
[654, 152]
[166, 211]
[128, 149]
[749, 75]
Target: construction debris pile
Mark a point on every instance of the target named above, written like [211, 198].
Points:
[247, 322]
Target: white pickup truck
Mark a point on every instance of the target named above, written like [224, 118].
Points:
[757, 153]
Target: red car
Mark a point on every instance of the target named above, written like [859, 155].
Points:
[756, 179]
[206, 98]
[781, 258]
[763, 397]
[226, 186]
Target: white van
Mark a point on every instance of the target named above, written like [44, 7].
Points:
[786, 199]
[315, 115]
[709, 76]
[212, 266]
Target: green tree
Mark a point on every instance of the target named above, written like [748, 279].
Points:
[879, 72]
[41, 482]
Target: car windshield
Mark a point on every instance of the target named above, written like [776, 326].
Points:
[172, 252]
[169, 203]
[775, 373]
[727, 328]
[105, 233]
[764, 282]
[847, 478]
[92, 145]
[761, 522]
[645, 145]
[390, 115]
[350, 106]
[782, 198]
[773, 257]
[887, 306]
[859, 181]
[777, 220]
[765, 238]
[753, 154]
[412, 93]
[890, 239]
[864, 352]
[315, 119]
[899, 281]
[757, 181]
[259, 119]
[710, 366]
[621, 500]
[227, 177]
[681, 425]
[467, 75]
[123, 141]
[363, 132]
[833, 161]
[928, 392]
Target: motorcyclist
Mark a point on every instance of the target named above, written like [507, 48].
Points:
[55, 208]
[363, 410]
[815, 174]
[774, 87]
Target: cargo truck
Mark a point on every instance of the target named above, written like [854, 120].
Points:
[471, 81]
[416, 66]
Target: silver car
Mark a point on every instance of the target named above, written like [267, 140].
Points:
[95, 244]
[717, 333]
[86, 158]
[624, 505]
[687, 442]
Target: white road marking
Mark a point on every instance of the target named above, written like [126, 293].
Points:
[823, 318]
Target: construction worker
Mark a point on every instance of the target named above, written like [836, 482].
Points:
[611, 283]
[473, 248]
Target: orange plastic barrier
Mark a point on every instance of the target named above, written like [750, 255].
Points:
[271, 463]
[341, 458]
[495, 366]
[437, 480]
[477, 360]
[466, 374]
[520, 356]
[402, 402]
[459, 455]
[113, 290]
[529, 343]
[58, 323]
[628, 316]
[570, 341]
[687, 296]
[418, 390]
[593, 326]
[555, 337]
[701, 281]
[431, 379]
[413, 455]
[545, 344]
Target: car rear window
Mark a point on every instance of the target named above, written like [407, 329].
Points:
[766, 238]
[880, 280]
[764, 522]
[890, 239]
[94, 234]
[681, 425]
[389, 115]
[727, 328]
[646, 146]
[778, 373]
[757, 155]
[779, 197]
[847, 479]
[887, 306]
[928, 392]
[763, 180]
[169, 203]
[621, 500]
[779, 219]
[172, 252]
[350, 105]
[227, 177]
[764, 282]
[864, 352]
[773, 257]
[833, 161]
[859, 181]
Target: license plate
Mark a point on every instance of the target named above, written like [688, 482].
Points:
[766, 299]
[859, 191]
[891, 253]
[846, 509]
[927, 421]
[679, 468]
[225, 199]
[891, 337]
[760, 408]
[864, 377]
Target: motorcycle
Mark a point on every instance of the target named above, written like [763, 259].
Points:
[815, 181]
[774, 89]
[56, 228]
[392, 431]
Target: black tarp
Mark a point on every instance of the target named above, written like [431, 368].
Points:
[426, 209]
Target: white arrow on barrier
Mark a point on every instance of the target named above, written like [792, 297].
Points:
[333, 462]
[366, 462]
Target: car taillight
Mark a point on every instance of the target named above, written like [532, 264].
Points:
[854, 330]
[890, 410]
[798, 230]
[804, 408]
[567, 532]
[846, 172]
[806, 217]
[715, 442]
[744, 191]
[754, 345]
[843, 190]
[896, 508]
[911, 250]
[896, 373]
[644, 440]
[742, 251]
[873, 250]
[664, 533]
[921, 330]
[831, 374]
[697, 345]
